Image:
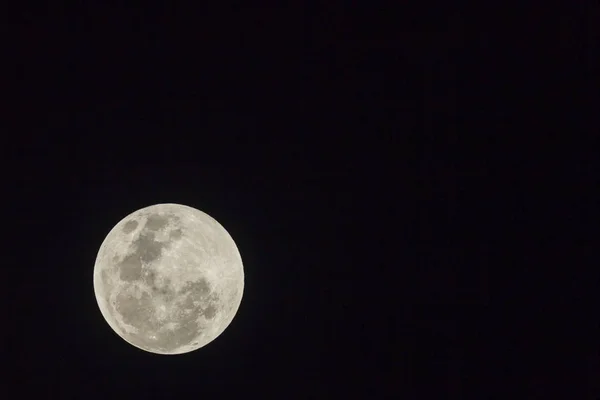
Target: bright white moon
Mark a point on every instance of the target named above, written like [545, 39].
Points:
[168, 279]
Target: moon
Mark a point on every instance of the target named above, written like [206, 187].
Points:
[168, 279]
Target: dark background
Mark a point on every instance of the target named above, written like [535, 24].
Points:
[372, 166]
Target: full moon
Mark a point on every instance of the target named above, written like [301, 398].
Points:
[168, 279]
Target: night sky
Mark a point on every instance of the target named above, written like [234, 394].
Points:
[356, 158]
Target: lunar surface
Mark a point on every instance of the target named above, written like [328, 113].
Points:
[168, 279]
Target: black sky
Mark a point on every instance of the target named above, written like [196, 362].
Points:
[358, 157]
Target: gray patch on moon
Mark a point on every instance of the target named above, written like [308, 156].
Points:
[147, 248]
[130, 226]
[198, 290]
[130, 269]
[163, 290]
[175, 234]
[210, 311]
[135, 312]
[156, 222]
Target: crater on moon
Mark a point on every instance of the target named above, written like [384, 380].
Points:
[163, 290]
